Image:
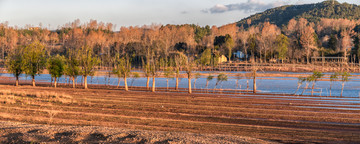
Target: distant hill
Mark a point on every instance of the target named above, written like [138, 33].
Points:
[313, 12]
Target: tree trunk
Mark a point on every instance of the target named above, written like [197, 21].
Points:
[247, 85]
[125, 83]
[265, 56]
[345, 53]
[55, 81]
[307, 57]
[147, 83]
[17, 81]
[189, 83]
[33, 81]
[73, 80]
[194, 83]
[254, 83]
[342, 89]
[312, 88]
[177, 83]
[167, 84]
[153, 84]
[132, 81]
[254, 86]
[330, 88]
[207, 83]
[85, 82]
[118, 82]
[307, 84]
[297, 89]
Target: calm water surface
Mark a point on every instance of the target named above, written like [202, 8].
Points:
[282, 85]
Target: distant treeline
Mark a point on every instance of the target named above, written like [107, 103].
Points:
[298, 41]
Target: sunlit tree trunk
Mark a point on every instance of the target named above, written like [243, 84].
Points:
[85, 82]
[153, 84]
[55, 82]
[330, 87]
[33, 81]
[189, 82]
[73, 80]
[247, 84]
[125, 83]
[167, 84]
[312, 88]
[254, 83]
[147, 82]
[342, 88]
[17, 81]
[177, 83]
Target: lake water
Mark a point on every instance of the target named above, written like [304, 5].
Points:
[282, 85]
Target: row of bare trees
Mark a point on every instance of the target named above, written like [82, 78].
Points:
[298, 41]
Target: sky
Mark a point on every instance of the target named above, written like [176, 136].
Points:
[55, 13]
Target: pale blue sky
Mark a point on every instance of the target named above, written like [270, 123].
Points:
[135, 12]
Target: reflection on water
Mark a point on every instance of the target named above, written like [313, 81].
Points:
[282, 85]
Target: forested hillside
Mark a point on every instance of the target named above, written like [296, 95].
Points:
[312, 12]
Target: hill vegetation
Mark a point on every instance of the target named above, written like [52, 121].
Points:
[312, 12]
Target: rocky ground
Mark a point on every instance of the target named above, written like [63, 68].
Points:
[15, 132]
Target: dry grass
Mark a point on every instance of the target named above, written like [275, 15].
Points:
[254, 116]
[30, 97]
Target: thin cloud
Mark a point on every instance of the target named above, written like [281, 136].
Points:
[247, 7]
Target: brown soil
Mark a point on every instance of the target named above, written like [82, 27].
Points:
[258, 116]
[14, 132]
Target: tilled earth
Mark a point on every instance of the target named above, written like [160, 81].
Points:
[14, 132]
[112, 115]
